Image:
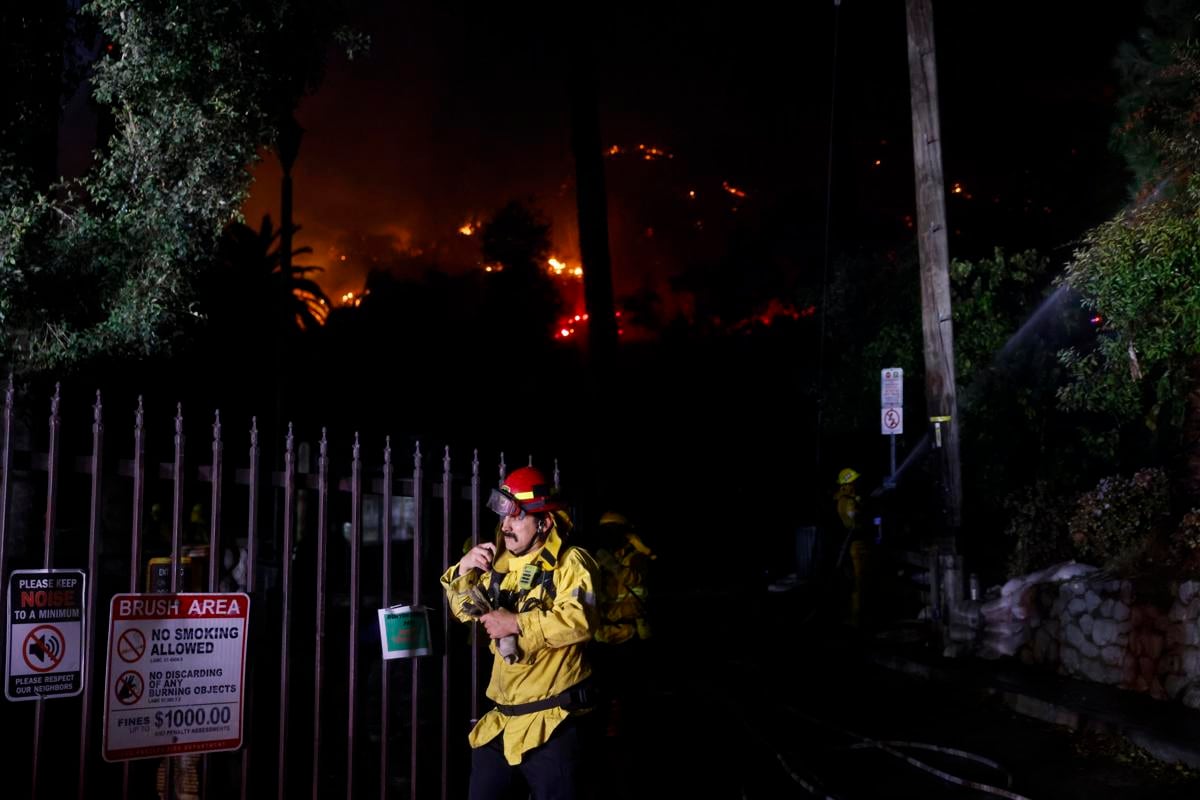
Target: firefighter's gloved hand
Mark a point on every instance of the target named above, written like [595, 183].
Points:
[474, 609]
[479, 600]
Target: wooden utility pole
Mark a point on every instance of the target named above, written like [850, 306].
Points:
[592, 201]
[936, 323]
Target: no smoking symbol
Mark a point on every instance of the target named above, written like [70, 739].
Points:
[131, 645]
[891, 418]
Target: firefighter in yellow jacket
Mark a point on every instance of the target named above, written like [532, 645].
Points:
[624, 561]
[848, 508]
[621, 656]
[535, 596]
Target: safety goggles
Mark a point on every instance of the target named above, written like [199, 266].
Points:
[505, 504]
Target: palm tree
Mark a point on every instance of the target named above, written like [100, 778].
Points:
[251, 262]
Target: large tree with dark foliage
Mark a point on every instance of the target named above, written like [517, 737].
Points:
[106, 264]
[521, 304]
[1140, 272]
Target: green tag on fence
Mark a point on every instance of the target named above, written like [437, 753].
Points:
[404, 631]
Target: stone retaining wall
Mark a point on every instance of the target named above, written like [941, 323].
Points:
[1106, 631]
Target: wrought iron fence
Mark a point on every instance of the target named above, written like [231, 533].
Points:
[323, 713]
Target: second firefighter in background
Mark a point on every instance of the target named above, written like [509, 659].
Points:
[620, 649]
[848, 508]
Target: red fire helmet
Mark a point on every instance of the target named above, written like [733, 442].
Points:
[525, 489]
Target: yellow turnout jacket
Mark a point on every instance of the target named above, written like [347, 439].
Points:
[623, 593]
[555, 621]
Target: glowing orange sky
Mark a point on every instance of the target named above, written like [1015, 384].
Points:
[403, 146]
[456, 111]
[334, 207]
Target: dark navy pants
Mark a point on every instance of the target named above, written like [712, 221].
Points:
[552, 771]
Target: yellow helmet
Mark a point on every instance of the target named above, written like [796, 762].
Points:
[614, 518]
[847, 476]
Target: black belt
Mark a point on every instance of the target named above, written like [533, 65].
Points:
[581, 695]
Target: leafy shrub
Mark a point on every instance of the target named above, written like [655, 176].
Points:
[1185, 543]
[1123, 524]
[1119, 524]
[1038, 526]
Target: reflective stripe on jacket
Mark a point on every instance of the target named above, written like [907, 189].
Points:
[558, 622]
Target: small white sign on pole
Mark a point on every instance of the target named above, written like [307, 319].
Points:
[176, 671]
[891, 421]
[891, 387]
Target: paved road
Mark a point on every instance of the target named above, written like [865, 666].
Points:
[772, 708]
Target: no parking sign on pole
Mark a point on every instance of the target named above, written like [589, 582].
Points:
[891, 400]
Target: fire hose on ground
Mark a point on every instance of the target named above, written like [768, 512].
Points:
[891, 747]
[812, 784]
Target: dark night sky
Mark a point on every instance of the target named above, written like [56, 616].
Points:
[457, 110]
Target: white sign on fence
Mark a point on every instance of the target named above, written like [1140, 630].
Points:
[176, 671]
[404, 631]
[45, 634]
